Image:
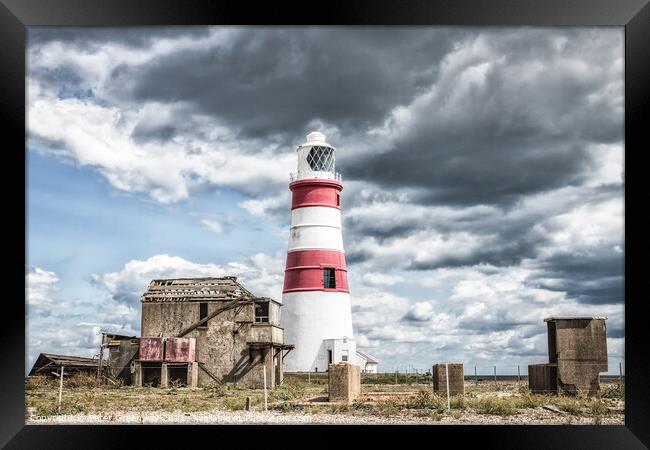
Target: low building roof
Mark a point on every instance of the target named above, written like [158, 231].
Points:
[48, 360]
[195, 290]
[367, 357]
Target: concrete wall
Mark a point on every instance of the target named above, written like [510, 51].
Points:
[456, 379]
[221, 346]
[542, 378]
[344, 382]
[577, 352]
[581, 353]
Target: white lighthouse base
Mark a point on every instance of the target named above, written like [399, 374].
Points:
[319, 324]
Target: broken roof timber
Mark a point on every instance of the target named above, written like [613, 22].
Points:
[195, 289]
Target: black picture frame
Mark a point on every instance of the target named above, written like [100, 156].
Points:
[16, 15]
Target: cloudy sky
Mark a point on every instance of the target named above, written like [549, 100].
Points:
[482, 168]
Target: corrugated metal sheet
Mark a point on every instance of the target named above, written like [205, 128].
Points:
[180, 350]
[151, 349]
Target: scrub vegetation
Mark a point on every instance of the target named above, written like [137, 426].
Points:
[487, 403]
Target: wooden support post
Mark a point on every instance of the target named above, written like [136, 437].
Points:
[101, 357]
[60, 389]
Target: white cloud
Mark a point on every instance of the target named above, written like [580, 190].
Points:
[381, 279]
[39, 286]
[212, 225]
[261, 274]
[420, 311]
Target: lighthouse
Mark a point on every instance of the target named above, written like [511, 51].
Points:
[316, 313]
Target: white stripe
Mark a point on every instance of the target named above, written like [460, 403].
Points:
[320, 215]
[313, 237]
[315, 227]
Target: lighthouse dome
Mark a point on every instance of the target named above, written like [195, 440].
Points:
[316, 159]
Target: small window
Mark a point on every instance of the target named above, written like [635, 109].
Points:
[203, 313]
[329, 278]
[262, 312]
[344, 356]
[338, 199]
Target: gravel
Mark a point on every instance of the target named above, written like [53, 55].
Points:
[536, 416]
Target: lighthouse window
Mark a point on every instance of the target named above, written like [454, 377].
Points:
[329, 278]
[321, 158]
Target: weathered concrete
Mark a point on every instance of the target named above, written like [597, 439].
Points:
[542, 378]
[164, 376]
[137, 376]
[344, 382]
[456, 379]
[231, 346]
[577, 347]
[193, 374]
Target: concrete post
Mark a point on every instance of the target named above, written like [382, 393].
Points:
[266, 405]
[495, 375]
[193, 374]
[518, 375]
[164, 375]
[138, 374]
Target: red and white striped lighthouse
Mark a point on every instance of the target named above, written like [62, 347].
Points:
[316, 313]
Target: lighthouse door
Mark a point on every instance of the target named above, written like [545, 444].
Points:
[329, 356]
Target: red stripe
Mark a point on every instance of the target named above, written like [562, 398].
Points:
[315, 192]
[304, 271]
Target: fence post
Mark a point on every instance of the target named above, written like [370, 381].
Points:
[396, 377]
[620, 372]
[475, 376]
[518, 375]
[495, 376]
[309, 377]
[447, 380]
[60, 388]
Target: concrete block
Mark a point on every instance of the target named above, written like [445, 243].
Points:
[542, 378]
[456, 379]
[578, 346]
[344, 382]
[193, 374]
[164, 376]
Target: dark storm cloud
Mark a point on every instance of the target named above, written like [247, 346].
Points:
[274, 81]
[491, 171]
[594, 279]
[91, 37]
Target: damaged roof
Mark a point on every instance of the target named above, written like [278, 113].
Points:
[195, 290]
[47, 361]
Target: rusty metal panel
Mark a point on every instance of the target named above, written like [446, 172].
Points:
[151, 349]
[180, 350]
